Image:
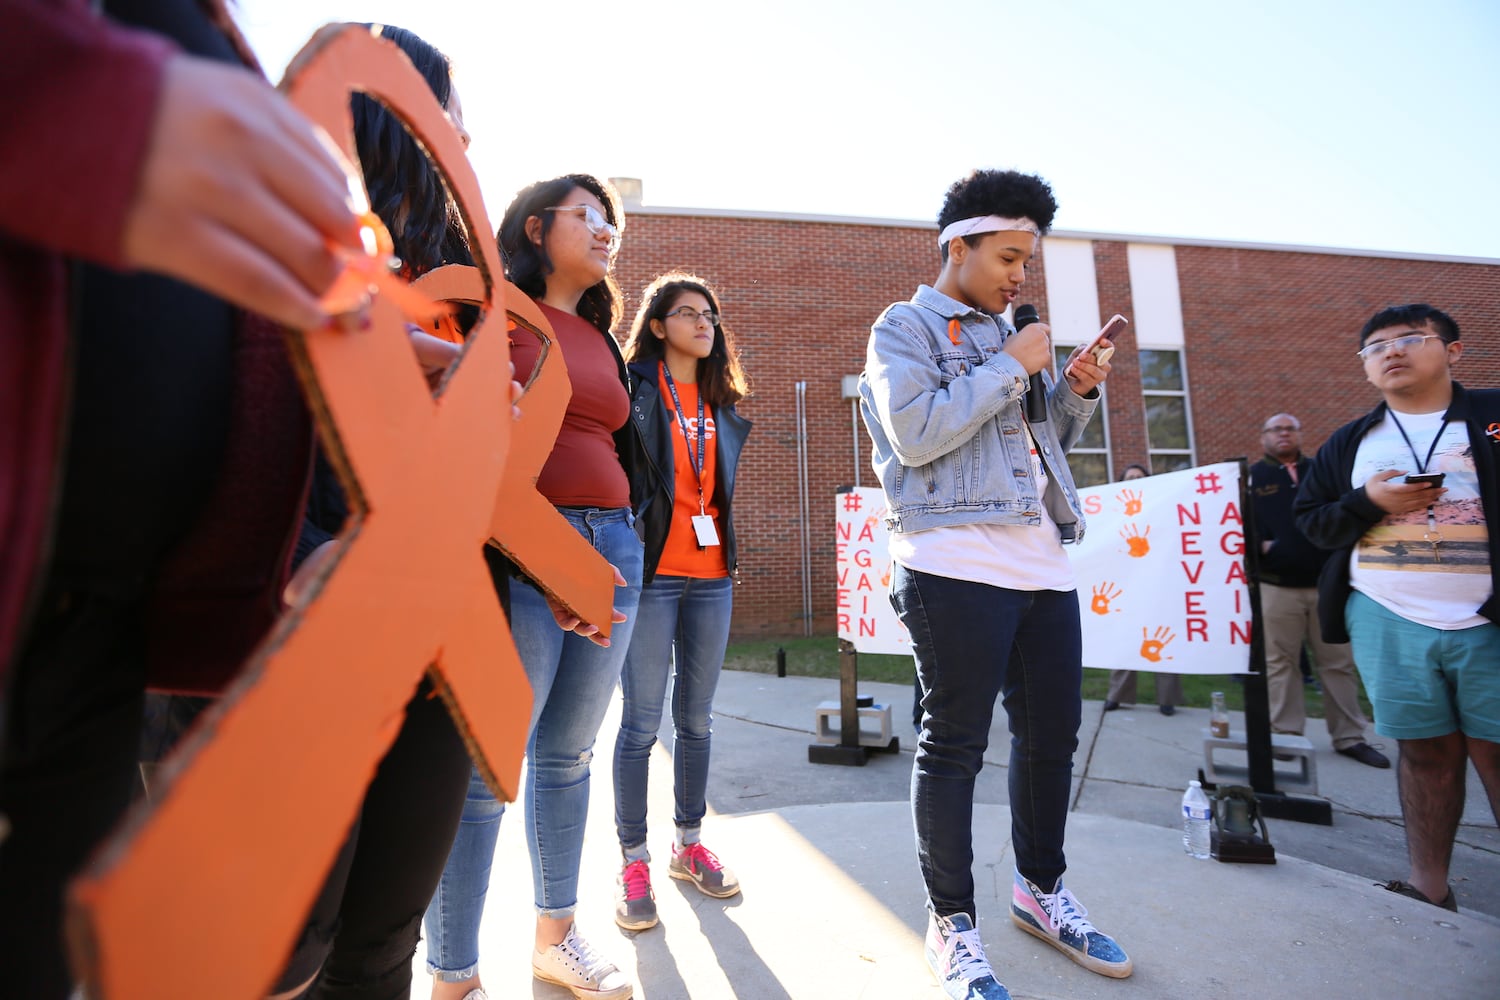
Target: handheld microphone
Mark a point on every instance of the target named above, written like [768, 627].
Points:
[1036, 397]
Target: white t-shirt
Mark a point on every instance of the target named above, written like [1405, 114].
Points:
[1013, 556]
[1394, 563]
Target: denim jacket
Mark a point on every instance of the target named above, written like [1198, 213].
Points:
[947, 427]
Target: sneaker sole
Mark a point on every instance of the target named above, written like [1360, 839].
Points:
[638, 924]
[687, 876]
[583, 993]
[1111, 969]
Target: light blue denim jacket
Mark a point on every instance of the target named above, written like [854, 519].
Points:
[946, 422]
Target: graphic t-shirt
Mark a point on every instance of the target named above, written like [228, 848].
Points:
[1395, 564]
[681, 556]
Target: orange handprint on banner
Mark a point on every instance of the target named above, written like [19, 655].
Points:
[1152, 646]
[1102, 596]
[1136, 539]
[1132, 501]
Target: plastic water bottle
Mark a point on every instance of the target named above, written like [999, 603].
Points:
[1195, 811]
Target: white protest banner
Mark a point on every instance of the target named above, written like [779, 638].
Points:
[1161, 575]
[865, 615]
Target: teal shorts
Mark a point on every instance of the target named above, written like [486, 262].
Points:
[1422, 681]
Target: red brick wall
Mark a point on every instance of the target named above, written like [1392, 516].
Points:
[1265, 330]
[800, 298]
[1274, 330]
[1127, 424]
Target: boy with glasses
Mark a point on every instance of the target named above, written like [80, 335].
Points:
[1407, 497]
[980, 501]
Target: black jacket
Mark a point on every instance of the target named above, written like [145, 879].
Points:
[1292, 560]
[653, 474]
[1336, 517]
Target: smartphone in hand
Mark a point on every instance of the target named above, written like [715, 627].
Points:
[1113, 328]
[1434, 479]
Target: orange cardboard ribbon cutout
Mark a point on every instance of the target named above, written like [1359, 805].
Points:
[374, 273]
[212, 886]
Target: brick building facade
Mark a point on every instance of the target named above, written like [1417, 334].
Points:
[1222, 336]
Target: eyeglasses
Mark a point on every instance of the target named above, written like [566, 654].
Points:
[1281, 429]
[693, 316]
[1409, 342]
[593, 218]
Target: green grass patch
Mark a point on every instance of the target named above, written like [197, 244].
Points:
[818, 656]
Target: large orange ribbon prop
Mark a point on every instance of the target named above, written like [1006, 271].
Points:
[526, 527]
[210, 889]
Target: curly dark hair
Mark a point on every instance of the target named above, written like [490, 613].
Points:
[405, 187]
[1414, 314]
[1007, 193]
[721, 379]
[527, 264]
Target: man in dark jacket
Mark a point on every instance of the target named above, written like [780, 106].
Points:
[1289, 567]
[1408, 496]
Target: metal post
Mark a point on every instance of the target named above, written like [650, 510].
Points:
[1262, 775]
[804, 502]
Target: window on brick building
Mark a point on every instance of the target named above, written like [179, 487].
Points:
[1169, 427]
[1089, 459]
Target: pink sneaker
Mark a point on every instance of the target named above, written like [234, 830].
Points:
[635, 903]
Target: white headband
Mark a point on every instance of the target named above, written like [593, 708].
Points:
[987, 224]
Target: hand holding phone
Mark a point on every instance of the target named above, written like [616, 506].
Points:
[1434, 479]
[1101, 352]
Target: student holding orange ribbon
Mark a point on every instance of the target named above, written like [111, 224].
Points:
[127, 368]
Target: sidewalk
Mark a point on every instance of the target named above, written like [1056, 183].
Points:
[833, 906]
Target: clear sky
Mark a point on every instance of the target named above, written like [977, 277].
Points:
[1337, 123]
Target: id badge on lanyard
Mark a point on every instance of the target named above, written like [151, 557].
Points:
[703, 525]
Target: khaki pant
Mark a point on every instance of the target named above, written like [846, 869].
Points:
[1122, 688]
[1290, 615]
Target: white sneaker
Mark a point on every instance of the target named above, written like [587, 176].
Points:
[576, 965]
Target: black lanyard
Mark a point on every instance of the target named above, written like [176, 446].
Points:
[697, 463]
[1434, 536]
[1421, 463]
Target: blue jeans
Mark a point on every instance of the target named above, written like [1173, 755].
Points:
[973, 643]
[572, 681]
[681, 631]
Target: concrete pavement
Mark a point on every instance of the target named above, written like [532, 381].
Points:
[832, 906]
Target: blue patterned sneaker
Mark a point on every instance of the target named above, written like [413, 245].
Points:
[1061, 921]
[956, 957]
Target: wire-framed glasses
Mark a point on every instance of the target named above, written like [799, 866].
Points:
[594, 219]
[1410, 342]
[693, 316]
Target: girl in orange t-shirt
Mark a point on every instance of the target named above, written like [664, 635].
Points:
[686, 378]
